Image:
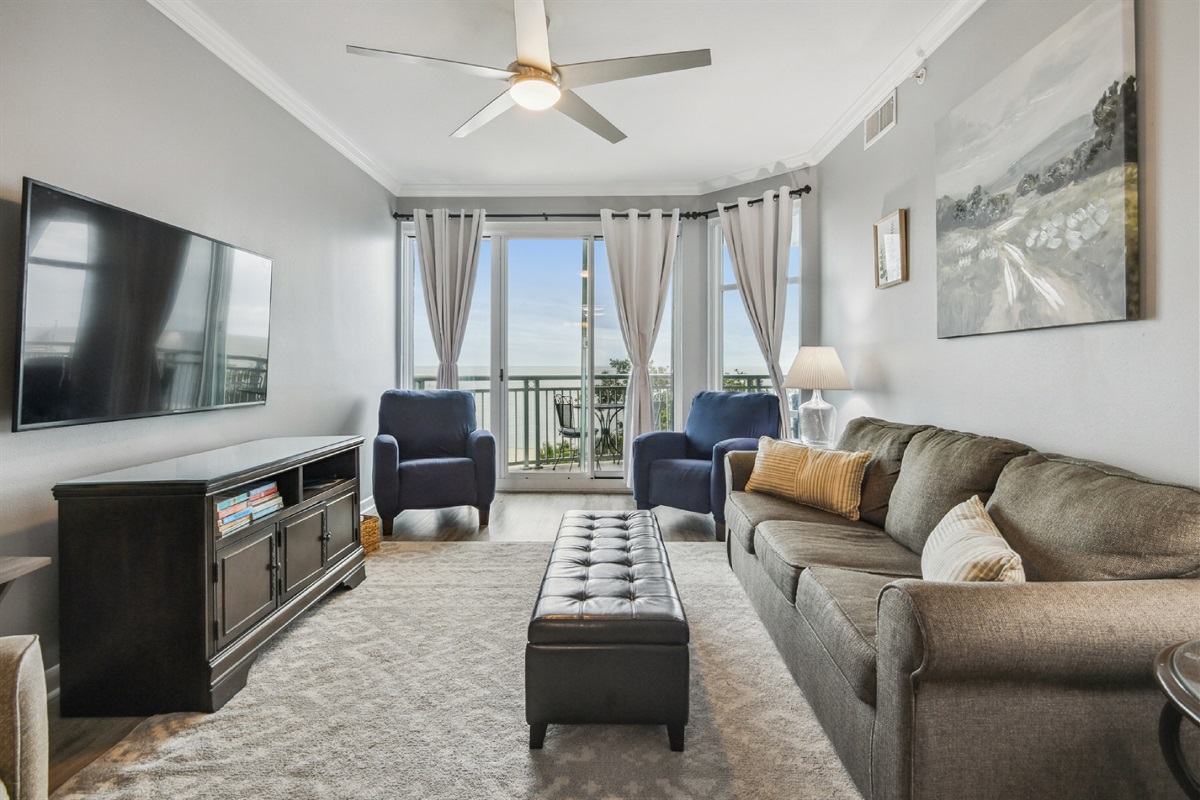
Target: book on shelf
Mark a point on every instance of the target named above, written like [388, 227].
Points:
[260, 510]
[232, 500]
[237, 516]
[236, 525]
[226, 513]
[321, 484]
[263, 489]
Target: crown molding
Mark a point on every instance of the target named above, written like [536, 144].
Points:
[902, 67]
[550, 190]
[200, 27]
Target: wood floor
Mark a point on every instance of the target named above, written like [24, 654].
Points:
[516, 516]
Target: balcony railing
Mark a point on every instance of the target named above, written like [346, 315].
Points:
[539, 439]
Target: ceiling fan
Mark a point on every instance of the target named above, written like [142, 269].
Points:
[535, 82]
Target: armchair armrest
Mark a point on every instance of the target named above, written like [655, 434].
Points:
[717, 489]
[648, 448]
[481, 448]
[25, 763]
[385, 480]
[989, 684]
[738, 466]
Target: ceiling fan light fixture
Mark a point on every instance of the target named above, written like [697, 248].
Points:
[535, 91]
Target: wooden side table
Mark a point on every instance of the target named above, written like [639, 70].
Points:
[1177, 670]
[13, 567]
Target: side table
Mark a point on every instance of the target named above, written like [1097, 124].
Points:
[1177, 670]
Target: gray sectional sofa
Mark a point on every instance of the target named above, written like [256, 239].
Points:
[979, 690]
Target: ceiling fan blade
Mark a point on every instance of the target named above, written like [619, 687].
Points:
[533, 40]
[587, 73]
[574, 107]
[426, 61]
[485, 115]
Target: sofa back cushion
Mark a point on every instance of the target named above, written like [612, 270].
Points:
[886, 442]
[941, 469]
[1075, 520]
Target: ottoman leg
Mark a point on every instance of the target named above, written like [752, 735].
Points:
[675, 734]
[537, 735]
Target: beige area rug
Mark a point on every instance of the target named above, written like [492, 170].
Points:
[412, 686]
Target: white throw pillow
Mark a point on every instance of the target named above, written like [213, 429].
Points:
[967, 546]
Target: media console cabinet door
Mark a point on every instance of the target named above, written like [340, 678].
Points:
[303, 549]
[343, 521]
[246, 590]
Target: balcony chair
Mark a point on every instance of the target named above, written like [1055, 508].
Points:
[687, 470]
[568, 428]
[429, 454]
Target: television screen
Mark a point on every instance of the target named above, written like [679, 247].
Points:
[124, 316]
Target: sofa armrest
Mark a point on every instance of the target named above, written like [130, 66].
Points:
[648, 448]
[24, 732]
[1068, 631]
[1017, 685]
[717, 489]
[481, 448]
[738, 466]
[385, 477]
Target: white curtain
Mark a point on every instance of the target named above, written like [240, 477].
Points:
[640, 254]
[449, 250]
[759, 239]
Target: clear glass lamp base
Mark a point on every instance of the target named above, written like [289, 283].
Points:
[818, 421]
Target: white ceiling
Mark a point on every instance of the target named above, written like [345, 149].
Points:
[789, 80]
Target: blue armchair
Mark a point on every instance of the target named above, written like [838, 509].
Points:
[428, 454]
[687, 470]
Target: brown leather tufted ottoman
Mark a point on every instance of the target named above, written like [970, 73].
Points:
[608, 639]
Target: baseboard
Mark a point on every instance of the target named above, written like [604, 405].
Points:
[366, 507]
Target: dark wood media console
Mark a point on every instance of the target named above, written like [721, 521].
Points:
[159, 611]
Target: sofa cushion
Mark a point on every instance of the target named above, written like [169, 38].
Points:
[940, 469]
[966, 546]
[785, 549]
[1075, 520]
[840, 607]
[886, 441]
[745, 511]
[827, 479]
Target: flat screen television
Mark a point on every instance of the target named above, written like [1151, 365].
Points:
[124, 316]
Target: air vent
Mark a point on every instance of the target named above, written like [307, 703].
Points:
[880, 121]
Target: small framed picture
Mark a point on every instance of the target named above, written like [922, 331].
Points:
[891, 249]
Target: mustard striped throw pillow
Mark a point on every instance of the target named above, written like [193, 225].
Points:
[967, 546]
[827, 479]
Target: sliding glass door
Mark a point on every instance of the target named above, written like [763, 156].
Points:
[564, 369]
[544, 354]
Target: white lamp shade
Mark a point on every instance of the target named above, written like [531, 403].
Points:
[817, 368]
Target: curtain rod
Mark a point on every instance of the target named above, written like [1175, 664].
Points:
[547, 217]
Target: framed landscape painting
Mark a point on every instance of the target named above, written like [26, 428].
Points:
[1036, 177]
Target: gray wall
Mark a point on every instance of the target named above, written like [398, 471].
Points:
[113, 101]
[1127, 393]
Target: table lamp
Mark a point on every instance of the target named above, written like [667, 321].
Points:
[817, 368]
